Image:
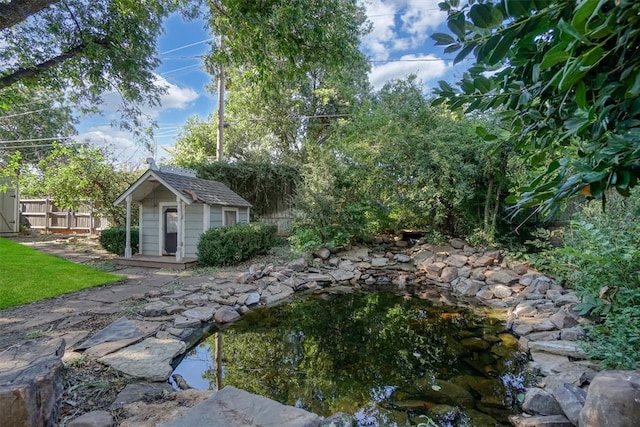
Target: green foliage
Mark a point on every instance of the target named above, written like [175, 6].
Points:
[76, 173]
[76, 50]
[565, 78]
[600, 259]
[233, 244]
[113, 240]
[267, 186]
[399, 163]
[280, 40]
[330, 207]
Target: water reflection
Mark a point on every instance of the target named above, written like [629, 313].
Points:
[385, 360]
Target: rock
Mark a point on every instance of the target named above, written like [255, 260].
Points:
[136, 392]
[185, 322]
[449, 274]
[356, 254]
[149, 359]
[252, 299]
[548, 363]
[379, 262]
[120, 329]
[203, 314]
[540, 285]
[478, 274]
[501, 291]
[232, 407]
[457, 243]
[323, 253]
[562, 348]
[298, 264]
[484, 294]
[475, 344]
[501, 277]
[226, 315]
[540, 421]
[93, 419]
[613, 400]
[539, 402]
[568, 298]
[276, 293]
[403, 258]
[562, 319]
[572, 334]
[339, 419]
[525, 310]
[519, 268]
[469, 287]
[571, 400]
[483, 261]
[435, 268]
[456, 260]
[155, 309]
[439, 391]
[31, 383]
[151, 413]
[342, 275]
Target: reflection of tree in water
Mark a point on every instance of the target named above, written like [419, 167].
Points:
[330, 356]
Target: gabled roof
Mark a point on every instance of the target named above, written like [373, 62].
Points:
[188, 188]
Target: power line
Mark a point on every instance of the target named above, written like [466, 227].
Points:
[35, 140]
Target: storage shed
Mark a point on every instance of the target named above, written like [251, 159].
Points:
[175, 208]
[9, 206]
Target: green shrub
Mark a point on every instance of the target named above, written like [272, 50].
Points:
[114, 240]
[235, 243]
[600, 259]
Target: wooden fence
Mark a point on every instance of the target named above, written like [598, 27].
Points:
[43, 214]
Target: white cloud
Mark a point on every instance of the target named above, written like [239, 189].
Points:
[399, 25]
[120, 143]
[425, 67]
[175, 97]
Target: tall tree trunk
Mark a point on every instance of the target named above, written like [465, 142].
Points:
[487, 204]
[496, 207]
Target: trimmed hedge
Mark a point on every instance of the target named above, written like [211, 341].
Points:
[233, 244]
[114, 240]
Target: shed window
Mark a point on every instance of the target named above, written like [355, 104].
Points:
[230, 217]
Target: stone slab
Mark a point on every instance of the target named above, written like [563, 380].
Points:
[140, 391]
[149, 359]
[232, 407]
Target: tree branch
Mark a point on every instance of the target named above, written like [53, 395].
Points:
[17, 11]
[22, 73]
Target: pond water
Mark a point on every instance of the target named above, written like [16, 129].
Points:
[387, 360]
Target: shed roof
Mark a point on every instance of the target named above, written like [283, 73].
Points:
[190, 189]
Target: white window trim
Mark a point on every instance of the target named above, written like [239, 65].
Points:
[206, 217]
[140, 218]
[224, 222]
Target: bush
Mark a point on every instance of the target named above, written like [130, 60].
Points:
[600, 259]
[233, 244]
[113, 240]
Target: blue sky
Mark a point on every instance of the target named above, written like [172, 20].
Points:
[398, 45]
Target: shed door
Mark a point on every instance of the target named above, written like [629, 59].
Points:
[170, 231]
[7, 211]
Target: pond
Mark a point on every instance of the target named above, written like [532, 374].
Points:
[386, 359]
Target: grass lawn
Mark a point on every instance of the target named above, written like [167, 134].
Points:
[27, 275]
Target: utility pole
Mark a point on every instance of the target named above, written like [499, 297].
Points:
[220, 135]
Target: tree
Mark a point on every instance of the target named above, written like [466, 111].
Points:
[277, 40]
[77, 173]
[565, 79]
[34, 122]
[79, 49]
[196, 142]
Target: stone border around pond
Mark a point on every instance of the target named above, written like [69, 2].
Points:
[536, 309]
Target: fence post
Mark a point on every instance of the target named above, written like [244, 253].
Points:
[46, 216]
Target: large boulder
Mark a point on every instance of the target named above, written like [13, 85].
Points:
[232, 407]
[613, 399]
[31, 383]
